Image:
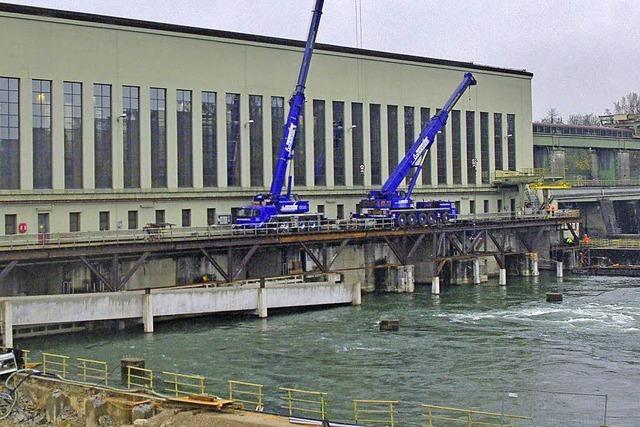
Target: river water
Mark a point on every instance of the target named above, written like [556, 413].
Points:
[488, 347]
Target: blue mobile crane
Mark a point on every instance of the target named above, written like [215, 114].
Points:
[391, 203]
[274, 206]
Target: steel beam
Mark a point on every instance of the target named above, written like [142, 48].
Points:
[136, 265]
[343, 245]
[395, 251]
[7, 269]
[215, 265]
[415, 245]
[97, 273]
[313, 257]
[244, 262]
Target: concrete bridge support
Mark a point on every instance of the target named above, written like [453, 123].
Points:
[147, 311]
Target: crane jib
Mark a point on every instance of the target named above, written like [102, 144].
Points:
[290, 138]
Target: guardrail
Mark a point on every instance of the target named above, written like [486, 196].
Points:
[139, 377]
[93, 370]
[184, 384]
[247, 393]
[304, 402]
[91, 238]
[55, 364]
[375, 412]
[468, 417]
[614, 243]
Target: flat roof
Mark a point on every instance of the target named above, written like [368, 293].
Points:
[136, 23]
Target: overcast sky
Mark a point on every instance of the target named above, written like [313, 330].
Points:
[584, 53]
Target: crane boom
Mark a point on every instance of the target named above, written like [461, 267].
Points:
[417, 152]
[296, 104]
[275, 206]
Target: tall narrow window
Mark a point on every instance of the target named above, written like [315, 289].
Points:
[185, 138]
[497, 140]
[319, 139]
[233, 140]
[409, 135]
[456, 147]
[186, 217]
[9, 133]
[357, 143]
[376, 143]
[472, 161]
[160, 216]
[41, 100]
[338, 143]
[256, 170]
[104, 221]
[158, 137]
[72, 135]
[132, 220]
[10, 224]
[484, 147]
[299, 156]
[212, 219]
[131, 133]
[441, 140]
[102, 125]
[209, 140]
[277, 125]
[511, 141]
[392, 136]
[425, 116]
[74, 222]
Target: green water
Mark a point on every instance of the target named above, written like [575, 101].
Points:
[468, 347]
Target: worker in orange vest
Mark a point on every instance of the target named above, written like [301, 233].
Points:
[585, 239]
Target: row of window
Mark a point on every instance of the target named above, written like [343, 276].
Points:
[602, 132]
[104, 218]
[130, 121]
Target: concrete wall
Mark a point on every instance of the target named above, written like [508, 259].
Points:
[88, 52]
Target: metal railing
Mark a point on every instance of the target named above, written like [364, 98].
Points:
[247, 394]
[93, 370]
[469, 417]
[92, 238]
[304, 402]
[375, 412]
[614, 243]
[184, 384]
[139, 377]
[55, 364]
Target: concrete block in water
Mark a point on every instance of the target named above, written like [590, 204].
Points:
[554, 297]
[389, 325]
[135, 362]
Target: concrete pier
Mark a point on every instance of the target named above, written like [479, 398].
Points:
[435, 285]
[147, 311]
[559, 269]
[502, 277]
[7, 324]
[357, 294]
[476, 271]
[262, 303]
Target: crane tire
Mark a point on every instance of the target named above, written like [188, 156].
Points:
[422, 219]
[412, 220]
[401, 220]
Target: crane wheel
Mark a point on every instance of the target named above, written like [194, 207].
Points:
[401, 220]
[412, 220]
[422, 219]
[431, 219]
[444, 218]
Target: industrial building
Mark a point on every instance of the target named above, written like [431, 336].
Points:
[110, 123]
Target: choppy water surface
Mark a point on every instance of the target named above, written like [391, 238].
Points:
[468, 348]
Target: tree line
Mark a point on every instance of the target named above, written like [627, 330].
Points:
[628, 104]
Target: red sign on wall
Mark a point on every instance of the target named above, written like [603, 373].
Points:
[22, 227]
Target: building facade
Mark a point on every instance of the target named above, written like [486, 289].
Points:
[109, 123]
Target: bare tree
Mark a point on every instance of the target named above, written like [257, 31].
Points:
[553, 116]
[589, 119]
[628, 104]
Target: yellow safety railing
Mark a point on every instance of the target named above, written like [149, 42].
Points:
[183, 384]
[139, 377]
[375, 412]
[446, 416]
[247, 393]
[55, 364]
[93, 370]
[305, 402]
[615, 243]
